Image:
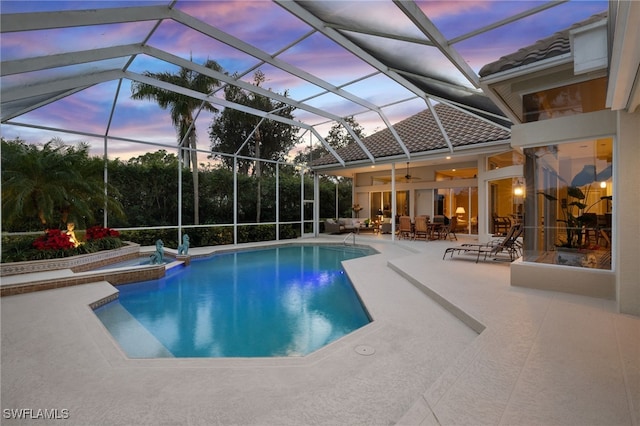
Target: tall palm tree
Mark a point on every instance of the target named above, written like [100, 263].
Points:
[182, 109]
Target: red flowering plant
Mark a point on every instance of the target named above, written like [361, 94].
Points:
[98, 232]
[53, 239]
[101, 238]
[56, 243]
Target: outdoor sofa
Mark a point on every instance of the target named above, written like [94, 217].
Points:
[342, 225]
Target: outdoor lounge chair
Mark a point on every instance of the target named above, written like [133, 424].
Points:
[509, 245]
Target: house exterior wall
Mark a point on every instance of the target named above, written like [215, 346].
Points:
[564, 129]
[627, 242]
[420, 190]
[625, 128]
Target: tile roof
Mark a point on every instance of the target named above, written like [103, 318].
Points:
[555, 45]
[420, 133]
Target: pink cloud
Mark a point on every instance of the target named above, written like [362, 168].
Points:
[47, 42]
[437, 9]
[270, 28]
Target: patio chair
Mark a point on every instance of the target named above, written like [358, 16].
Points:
[405, 227]
[421, 230]
[509, 245]
[440, 222]
[449, 230]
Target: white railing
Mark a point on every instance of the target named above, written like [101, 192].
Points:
[351, 234]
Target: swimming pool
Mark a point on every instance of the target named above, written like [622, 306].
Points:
[283, 301]
[137, 261]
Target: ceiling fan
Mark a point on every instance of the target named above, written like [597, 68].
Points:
[408, 176]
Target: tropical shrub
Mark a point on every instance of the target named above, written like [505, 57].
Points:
[148, 237]
[97, 232]
[53, 239]
[53, 184]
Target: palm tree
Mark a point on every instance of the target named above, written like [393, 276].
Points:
[182, 108]
[55, 182]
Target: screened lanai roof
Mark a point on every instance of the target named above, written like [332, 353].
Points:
[67, 66]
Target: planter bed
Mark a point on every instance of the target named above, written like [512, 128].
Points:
[83, 262]
[26, 277]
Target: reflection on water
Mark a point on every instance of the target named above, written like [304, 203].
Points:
[285, 301]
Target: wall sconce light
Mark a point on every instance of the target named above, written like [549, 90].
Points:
[518, 189]
[603, 184]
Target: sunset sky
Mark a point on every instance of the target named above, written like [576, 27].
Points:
[270, 28]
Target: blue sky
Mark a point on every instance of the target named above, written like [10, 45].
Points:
[270, 28]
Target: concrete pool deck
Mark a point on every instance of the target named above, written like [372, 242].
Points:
[535, 358]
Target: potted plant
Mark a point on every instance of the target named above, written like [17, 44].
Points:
[356, 209]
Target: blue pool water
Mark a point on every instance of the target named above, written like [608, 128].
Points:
[133, 262]
[284, 301]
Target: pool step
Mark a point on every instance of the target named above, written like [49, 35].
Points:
[135, 340]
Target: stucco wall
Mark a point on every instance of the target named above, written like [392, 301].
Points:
[627, 203]
[564, 129]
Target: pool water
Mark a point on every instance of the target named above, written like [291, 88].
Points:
[283, 301]
[146, 260]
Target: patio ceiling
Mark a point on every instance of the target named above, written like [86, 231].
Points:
[64, 64]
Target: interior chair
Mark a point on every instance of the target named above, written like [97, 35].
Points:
[501, 224]
[605, 229]
[590, 229]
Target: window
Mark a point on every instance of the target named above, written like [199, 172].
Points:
[459, 202]
[506, 198]
[505, 159]
[381, 202]
[451, 174]
[568, 214]
[578, 98]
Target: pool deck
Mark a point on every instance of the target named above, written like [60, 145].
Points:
[452, 343]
